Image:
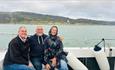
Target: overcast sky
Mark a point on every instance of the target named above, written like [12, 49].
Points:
[94, 9]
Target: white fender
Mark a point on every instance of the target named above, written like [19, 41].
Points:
[1, 61]
[75, 63]
[102, 60]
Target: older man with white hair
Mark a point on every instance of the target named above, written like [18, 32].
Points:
[37, 48]
[17, 55]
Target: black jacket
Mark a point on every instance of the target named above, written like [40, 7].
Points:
[18, 52]
[36, 49]
[53, 48]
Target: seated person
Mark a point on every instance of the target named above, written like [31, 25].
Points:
[54, 55]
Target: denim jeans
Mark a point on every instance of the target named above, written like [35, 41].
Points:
[37, 63]
[16, 67]
[63, 65]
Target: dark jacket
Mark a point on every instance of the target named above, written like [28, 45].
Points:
[53, 48]
[36, 48]
[18, 52]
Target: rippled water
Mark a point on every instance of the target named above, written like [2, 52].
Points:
[74, 35]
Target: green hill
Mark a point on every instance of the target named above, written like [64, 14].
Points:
[34, 18]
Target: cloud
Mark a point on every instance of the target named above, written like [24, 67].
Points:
[95, 9]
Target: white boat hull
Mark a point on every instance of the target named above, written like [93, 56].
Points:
[83, 53]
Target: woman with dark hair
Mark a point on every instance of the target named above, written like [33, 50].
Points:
[54, 55]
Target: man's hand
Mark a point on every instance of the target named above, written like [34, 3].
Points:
[30, 64]
[61, 38]
[54, 61]
[47, 66]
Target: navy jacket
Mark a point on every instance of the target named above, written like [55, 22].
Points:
[36, 48]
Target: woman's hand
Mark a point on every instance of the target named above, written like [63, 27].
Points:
[47, 66]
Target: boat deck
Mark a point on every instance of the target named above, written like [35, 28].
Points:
[85, 55]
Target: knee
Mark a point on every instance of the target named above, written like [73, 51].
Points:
[63, 65]
[36, 63]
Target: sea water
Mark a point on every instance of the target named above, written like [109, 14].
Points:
[74, 35]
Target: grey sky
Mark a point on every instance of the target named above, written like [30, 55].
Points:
[94, 9]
